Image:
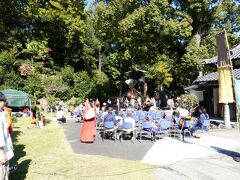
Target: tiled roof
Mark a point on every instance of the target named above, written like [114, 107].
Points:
[234, 55]
[214, 77]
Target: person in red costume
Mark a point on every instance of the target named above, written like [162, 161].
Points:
[88, 129]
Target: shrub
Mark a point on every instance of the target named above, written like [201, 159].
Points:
[188, 101]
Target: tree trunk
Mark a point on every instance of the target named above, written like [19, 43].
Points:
[99, 60]
[197, 31]
[120, 89]
[197, 38]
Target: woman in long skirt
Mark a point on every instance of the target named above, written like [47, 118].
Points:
[88, 129]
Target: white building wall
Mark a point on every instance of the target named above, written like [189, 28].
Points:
[199, 94]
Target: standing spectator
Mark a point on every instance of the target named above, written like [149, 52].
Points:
[6, 148]
[157, 98]
[71, 110]
[170, 102]
[109, 103]
[118, 104]
[148, 100]
[139, 101]
[104, 107]
[177, 98]
[81, 108]
[153, 102]
[126, 102]
[97, 104]
[132, 102]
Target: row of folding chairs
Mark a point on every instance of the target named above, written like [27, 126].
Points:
[164, 127]
[140, 115]
[141, 126]
[145, 128]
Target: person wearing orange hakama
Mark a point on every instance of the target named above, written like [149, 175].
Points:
[8, 117]
[88, 129]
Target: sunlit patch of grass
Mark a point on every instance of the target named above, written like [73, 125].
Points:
[45, 154]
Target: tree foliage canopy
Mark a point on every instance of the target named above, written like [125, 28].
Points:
[63, 48]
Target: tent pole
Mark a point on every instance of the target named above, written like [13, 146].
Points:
[30, 105]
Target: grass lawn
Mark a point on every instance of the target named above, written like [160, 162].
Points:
[45, 154]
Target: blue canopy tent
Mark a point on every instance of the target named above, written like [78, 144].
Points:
[16, 98]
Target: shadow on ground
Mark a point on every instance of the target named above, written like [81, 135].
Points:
[125, 149]
[22, 168]
[47, 121]
[233, 154]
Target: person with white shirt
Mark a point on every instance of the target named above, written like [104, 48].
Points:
[170, 102]
[119, 119]
[139, 100]
[132, 121]
[152, 108]
[183, 112]
[60, 114]
[6, 147]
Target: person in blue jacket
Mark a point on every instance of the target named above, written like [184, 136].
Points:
[202, 116]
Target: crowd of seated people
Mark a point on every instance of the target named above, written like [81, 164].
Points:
[137, 118]
[121, 118]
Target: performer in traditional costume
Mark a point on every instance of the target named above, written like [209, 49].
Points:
[88, 129]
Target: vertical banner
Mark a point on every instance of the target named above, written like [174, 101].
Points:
[224, 75]
[224, 71]
[225, 85]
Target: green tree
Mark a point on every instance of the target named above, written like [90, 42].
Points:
[67, 74]
[159, 73]
[83, 85]
[102, 88]
[10, 77]
[33, 85]
[181, 31]
[59, 45]
[62, 24]
[53, 85]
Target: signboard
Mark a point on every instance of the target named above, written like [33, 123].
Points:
[237, 94]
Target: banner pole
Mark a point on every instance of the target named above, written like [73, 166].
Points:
[233, 78]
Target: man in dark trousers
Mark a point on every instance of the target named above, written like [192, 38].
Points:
[157, 98]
